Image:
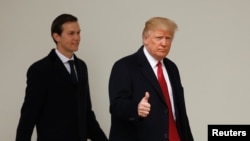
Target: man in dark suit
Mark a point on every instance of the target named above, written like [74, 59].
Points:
[58, 105]
[138, 102]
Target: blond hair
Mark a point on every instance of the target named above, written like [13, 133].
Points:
[159, 23]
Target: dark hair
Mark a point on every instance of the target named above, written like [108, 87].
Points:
[56, 26]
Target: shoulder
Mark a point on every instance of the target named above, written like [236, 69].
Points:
[126, 59]
[126, 63]
[131, 61]
[44, 62]
[80, 62]
[135, 58]
[169, 63]
[171, 67]
[39, 66]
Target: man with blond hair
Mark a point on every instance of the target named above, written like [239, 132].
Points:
[146, 95]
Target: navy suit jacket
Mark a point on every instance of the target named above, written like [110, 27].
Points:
[60, 109]
[130, 78]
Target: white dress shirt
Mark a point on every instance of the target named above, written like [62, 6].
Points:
[153, 62]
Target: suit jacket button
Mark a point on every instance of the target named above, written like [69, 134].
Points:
[166, 111]
[131, 119]
[165, 136]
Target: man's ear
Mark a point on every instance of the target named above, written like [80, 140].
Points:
[145, 40]
[56, 37]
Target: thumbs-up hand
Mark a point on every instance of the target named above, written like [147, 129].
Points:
[144, 106]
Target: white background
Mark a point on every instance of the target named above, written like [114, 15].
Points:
[211, 49]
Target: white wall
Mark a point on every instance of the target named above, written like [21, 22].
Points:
[211, 49]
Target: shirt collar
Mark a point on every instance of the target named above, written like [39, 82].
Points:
[63, 58]
[152, 61]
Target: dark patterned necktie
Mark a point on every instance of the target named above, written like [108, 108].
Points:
[72, 71]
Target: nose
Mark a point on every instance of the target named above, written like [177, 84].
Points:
[164, 42]
[77, 37]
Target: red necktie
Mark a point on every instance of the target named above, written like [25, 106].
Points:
[173, 133]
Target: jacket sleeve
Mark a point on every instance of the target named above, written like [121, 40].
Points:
[122, 104]
[32, 105]
[94, 131]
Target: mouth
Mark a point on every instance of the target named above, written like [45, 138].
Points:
[162, 50]
[75, 44]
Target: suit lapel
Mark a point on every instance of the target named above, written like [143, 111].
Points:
[59, 66]
[172, 77]
[171, 74]
[79, 70]
[149, 74]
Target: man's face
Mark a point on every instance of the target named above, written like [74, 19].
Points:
[69, 40]
[158, 43]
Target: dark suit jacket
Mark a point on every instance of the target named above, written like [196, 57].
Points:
[130, 78]
[60, 109]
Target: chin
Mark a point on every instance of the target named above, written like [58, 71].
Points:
[162, 55]
[75, 49]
